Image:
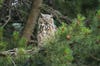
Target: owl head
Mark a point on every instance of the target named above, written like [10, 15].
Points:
[47, 18]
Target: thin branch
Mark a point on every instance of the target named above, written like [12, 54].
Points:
[58, 15]
[95, 58]
[14, 52]
[13, 61]
[7, 21]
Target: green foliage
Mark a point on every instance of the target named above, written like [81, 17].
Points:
[1, 1]
[6, 61]
[85, 42]
[96, 26]
[3, 43]
[56, 51]
[22, 42]
[17, 42]
[15, 36]
[21, 51]
[73, 7]
[73, 44]
[1, 33]
[68, 53]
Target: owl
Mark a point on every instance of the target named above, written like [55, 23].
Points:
[46, 28]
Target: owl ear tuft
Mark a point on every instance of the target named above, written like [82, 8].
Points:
[42, 14]
[51, 15]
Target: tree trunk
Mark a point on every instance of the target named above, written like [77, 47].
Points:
[30, 25]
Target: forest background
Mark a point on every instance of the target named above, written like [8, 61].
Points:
[76, 43]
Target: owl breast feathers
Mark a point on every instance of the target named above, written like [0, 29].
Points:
[46, 28]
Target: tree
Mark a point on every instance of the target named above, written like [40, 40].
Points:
[30, 24]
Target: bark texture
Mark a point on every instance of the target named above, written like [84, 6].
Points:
[32, 19]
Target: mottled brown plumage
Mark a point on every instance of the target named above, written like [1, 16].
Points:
[46, 28]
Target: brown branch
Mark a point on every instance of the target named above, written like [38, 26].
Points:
[95, 58]
[58, 15]
[7, 21]
[14, 52]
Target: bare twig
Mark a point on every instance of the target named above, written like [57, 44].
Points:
[59, 17]
[8, 18]
[95, 58]
[14, 52]
[6, 21]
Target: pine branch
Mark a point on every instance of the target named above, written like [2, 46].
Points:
[14, 52]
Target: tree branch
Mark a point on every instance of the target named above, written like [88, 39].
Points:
[14, 52]
[59, 17]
